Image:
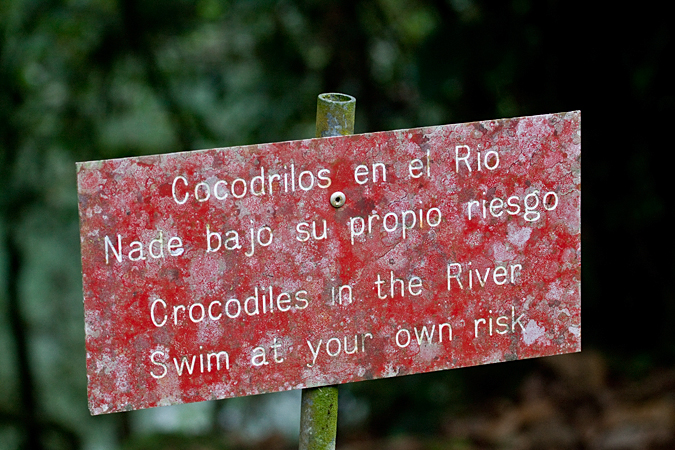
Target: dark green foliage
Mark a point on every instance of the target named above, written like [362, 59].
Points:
[91, 79]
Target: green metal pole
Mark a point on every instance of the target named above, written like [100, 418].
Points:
[335, 115]
[318, 416]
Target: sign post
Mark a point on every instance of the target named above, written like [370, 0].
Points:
[239, 271]
[335, 115]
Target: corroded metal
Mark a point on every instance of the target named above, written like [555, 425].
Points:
[227, 272]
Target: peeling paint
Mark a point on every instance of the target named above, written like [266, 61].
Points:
[532, 332]
[206, 273]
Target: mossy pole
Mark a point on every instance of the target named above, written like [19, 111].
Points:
[318, 415]
[335, 115]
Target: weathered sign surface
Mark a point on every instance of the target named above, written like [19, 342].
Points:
[238, 271]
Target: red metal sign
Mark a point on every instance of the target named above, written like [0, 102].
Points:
[239, 271]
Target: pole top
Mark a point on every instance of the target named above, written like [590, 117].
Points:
[335, 114]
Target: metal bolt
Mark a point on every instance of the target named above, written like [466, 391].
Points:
[337, 199]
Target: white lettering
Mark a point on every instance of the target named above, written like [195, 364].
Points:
[157, 363]
[423, 335]
[406, 220]
[334, 346]
[152, 313]
[173, 190]
[500, 275]
[501, 322]
[530, 205]
[118, 253]
[155, 248]
[407, 338]
[490, 160]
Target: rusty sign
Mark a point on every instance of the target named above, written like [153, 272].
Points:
[238, 271]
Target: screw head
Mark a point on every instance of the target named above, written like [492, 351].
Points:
[337, 199]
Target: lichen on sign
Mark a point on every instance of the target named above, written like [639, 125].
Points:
[228, 272]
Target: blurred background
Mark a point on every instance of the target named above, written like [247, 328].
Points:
[94, 79]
